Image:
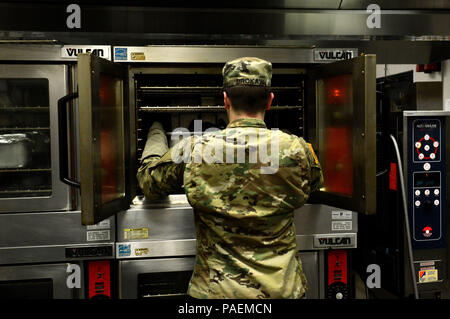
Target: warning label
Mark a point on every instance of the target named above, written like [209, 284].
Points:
[135, 233]
[429, 275]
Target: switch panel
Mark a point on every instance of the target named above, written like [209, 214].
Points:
[426, 181]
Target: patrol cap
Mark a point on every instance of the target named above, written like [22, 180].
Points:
[247, 71]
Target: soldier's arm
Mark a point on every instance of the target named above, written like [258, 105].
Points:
[158, 175]
[316, 175]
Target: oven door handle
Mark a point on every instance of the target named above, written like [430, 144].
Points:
[63, 136]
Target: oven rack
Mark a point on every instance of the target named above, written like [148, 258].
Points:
[202, 89]
[206, 108]
[25, 108]
[5, 128]
[26, 191]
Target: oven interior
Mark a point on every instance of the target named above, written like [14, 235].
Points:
[177, 97]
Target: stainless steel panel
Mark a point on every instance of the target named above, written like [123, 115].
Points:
[43, 237]
[221, 54]
[32, 52]
[163, 224]
[311, 268]
[60, 198]
[130, 269]
[216, 22]
[401, 5]
[171, 229]
[56, 272]
[47, 52]
[217, 54]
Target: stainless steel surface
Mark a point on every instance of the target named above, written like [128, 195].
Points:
[311, 268]
[171, 230]
[219, 22]
[35, 52]
[130, 269]
[32, 52]
[363, 129]
[401, 5]
[57, 80]
[56, 272]
[219, 54]
[43, 237]
[425, 113]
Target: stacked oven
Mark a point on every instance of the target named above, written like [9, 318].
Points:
[45, 251]
[96, 226]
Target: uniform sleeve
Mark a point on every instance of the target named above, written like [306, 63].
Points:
[316, 175]
[160, 176]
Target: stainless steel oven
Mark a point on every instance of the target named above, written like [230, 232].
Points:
[40, 217]
[43, 281]
[156, 247]
[178, 85]
[29, 154]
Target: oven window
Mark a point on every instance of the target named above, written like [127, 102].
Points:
[335, 132]
[111, 139]
[164, 285]
[27, 289]
[25, 158]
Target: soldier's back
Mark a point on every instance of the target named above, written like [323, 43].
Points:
[244, 183]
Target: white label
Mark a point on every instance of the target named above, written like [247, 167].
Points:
[341, 225]
[72, 51]
[96, 235]
[104, 224]
[341, 214]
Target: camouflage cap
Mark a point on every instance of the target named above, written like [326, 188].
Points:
[247, 71]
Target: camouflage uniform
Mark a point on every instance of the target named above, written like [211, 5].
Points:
[246, 238]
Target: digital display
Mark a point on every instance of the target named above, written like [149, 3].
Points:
[426, 179]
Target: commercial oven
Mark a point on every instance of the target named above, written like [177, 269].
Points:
[178, 85]
[41, 233]
[109, 108]
[410, 112]
[329, 104]
[156, 247]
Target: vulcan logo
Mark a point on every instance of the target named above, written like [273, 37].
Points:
[343, 241]
[334, 241]
[72, 51]
[333, 55]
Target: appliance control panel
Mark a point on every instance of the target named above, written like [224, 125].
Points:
[338, 286]
[426, 180]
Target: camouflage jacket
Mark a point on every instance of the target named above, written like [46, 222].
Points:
[244, 216]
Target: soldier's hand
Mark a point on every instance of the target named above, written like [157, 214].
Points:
[156, 144]
[157, 126]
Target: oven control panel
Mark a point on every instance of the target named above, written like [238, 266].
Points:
[426, 181]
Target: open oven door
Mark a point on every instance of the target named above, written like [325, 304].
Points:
[342, 100]
[106, 142]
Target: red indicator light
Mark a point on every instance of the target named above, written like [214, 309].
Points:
[427, 231]
[336, 93]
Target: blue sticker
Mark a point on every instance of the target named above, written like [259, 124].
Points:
[120, 54]
[124, 250]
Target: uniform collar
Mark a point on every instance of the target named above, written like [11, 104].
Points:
[247, 122]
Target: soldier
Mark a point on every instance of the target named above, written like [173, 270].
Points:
[244, 216]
